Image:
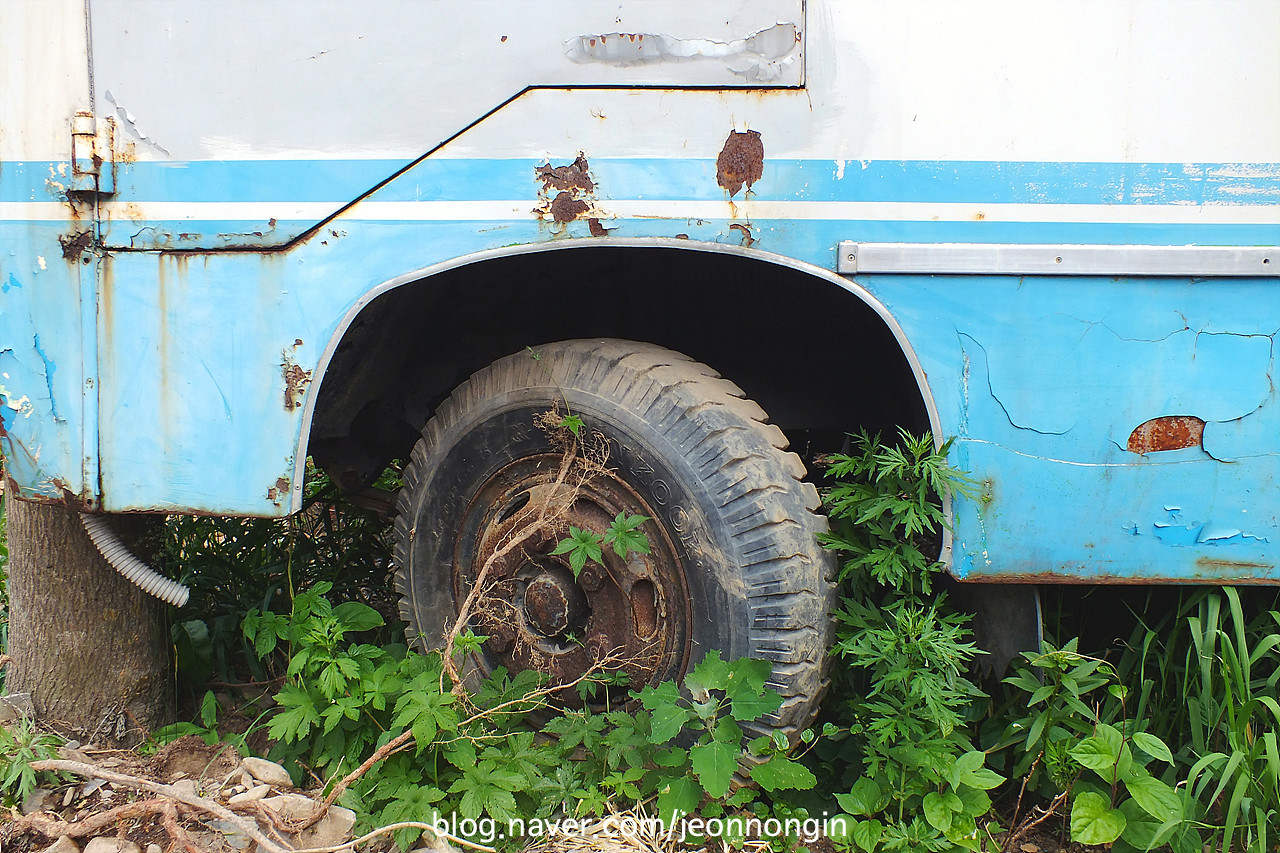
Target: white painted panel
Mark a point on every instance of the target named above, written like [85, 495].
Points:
[44, 77]
[195, 79]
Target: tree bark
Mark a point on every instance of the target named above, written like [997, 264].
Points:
[91, 648]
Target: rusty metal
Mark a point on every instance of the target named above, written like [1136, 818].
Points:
[741, 161]
[573, 177]
[632, 610]
[1172, 432]
[296, 380]
[74, 244]
[566, 208]
[567, 193]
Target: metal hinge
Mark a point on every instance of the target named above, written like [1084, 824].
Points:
[92, 155]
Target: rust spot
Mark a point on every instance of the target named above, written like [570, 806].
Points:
[296, 381]
[566, 208]
[1172, 432]
[597, 230]
[747, 239]
[567, 178]
[682, 236]
[276, 493]
[74, 244]
[741, 161]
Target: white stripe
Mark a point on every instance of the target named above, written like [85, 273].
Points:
[608, 209]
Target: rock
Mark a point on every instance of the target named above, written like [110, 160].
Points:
[230, 834]
[111, 844]
[154, 848]
[15, 706]
[70, 753]
[186, 786]
[62, 845]
[333, 829]
[255, 793]
[35, 801]
[267, 771]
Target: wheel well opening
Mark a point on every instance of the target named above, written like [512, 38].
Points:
[817, 358]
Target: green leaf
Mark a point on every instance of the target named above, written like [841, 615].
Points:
[1156, 798]
[973, 802]
[969, 770]
[581, 546]
[714, 764]
[573, 423]
[667, 717]
[867, 834]
[624, 536]
[746, 705]
[711, 673]
[677, 797]
[936, 811]
[1093, 821]
[1153, 746]
[354, 616]
[1141, 829]
[864, 798]
[1094, 753]
[779, 774]
[209, 710]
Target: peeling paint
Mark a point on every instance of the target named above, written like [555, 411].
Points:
[760, 57]
[278, 491]
[131, 122]
[745, 229]
[1197, 533]
[296, 380]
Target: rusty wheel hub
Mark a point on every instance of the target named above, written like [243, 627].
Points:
[629, 613]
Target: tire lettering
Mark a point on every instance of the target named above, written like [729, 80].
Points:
[661, 493]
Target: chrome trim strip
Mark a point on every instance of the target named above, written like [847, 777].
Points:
[1066, 259]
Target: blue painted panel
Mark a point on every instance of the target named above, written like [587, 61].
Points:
[41, 368]
[1040, 379]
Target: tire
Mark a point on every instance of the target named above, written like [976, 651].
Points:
[735, 564]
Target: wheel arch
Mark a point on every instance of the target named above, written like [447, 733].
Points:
[553, 284]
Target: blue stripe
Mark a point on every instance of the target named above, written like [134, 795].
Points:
[435, 179]
[870, 231]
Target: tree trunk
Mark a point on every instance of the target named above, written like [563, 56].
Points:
[90, 647]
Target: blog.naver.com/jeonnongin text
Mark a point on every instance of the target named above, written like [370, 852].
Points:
[487, 830]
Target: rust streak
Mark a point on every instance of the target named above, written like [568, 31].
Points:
[1172, 432]
[741, 161]
[1211, 564]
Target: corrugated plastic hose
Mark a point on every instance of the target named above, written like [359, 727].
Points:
[134, 570]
